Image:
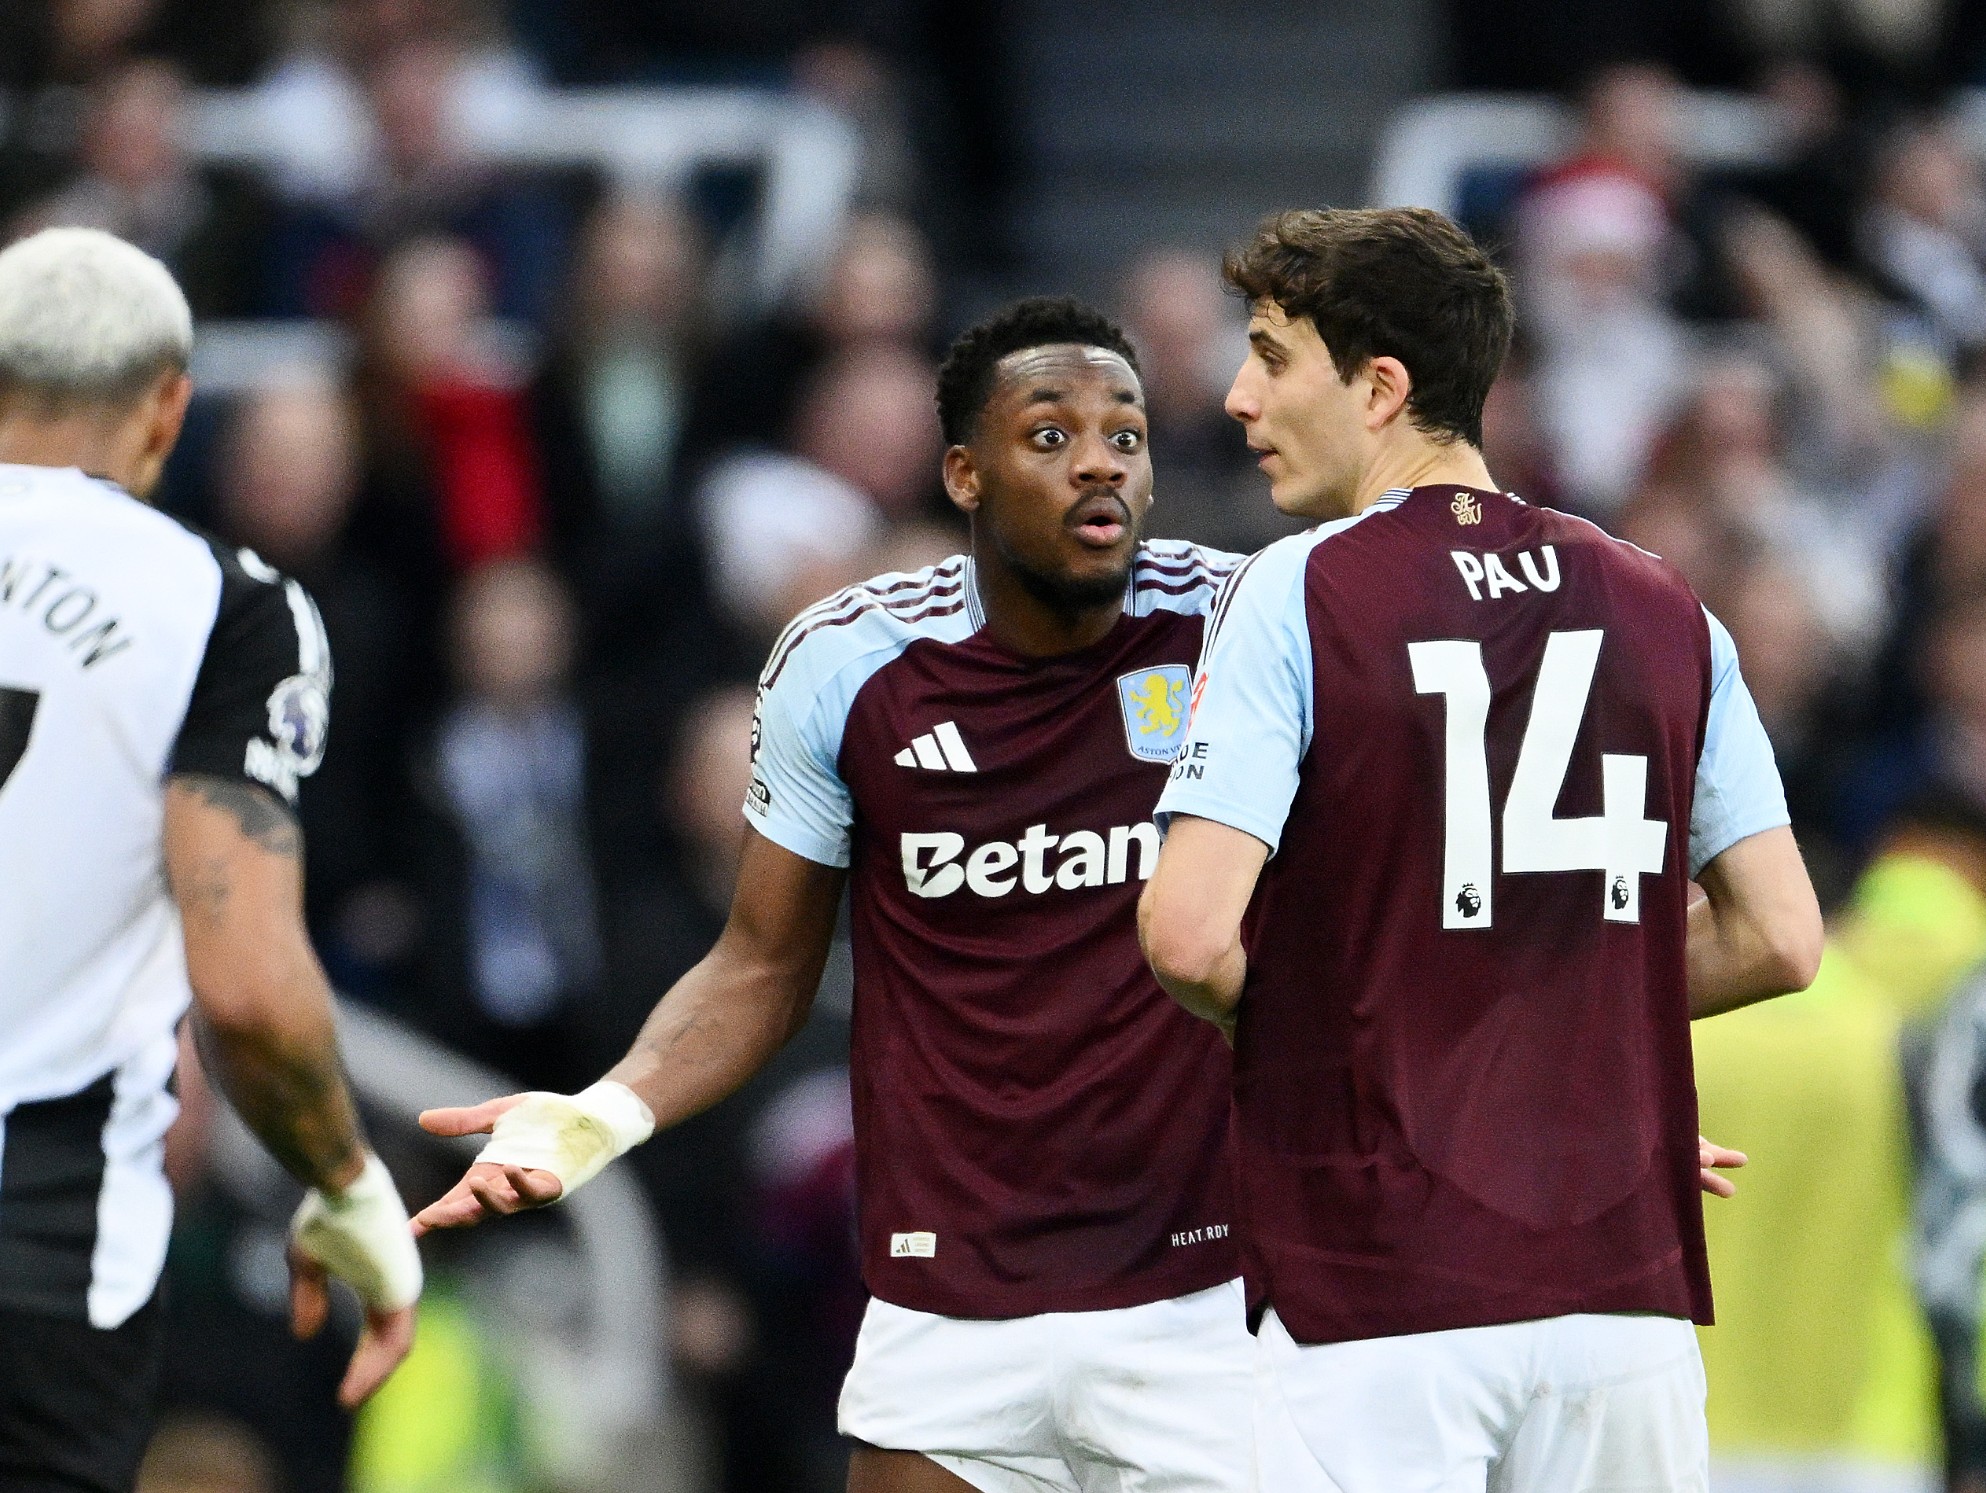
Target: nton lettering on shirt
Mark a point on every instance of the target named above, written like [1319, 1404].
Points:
[938, 864]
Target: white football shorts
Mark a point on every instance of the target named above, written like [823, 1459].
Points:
[1141, 1399]
[1579, 1404]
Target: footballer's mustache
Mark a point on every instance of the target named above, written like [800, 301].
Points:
[1100, 505]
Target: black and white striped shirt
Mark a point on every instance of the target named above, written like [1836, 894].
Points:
[131, 648]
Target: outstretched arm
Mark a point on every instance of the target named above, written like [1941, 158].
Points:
[1757, 932]
[262, 1013]
[715, 1028]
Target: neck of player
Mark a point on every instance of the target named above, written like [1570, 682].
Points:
[1028, 624]
[1412, 460]
[125, 446]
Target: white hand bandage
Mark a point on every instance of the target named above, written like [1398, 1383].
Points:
[361, 1236]
[572, 1136]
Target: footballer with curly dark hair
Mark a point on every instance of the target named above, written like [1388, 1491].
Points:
[974, 751]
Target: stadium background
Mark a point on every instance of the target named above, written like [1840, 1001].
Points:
[565, 349]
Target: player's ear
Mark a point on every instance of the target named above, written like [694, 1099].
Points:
[961, 479]
[1389, 384]
[156, 425]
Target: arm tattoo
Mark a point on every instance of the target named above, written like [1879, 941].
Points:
[263, 817]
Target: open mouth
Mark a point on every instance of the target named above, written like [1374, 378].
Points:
[1100, 521]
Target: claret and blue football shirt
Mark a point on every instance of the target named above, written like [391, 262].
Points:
[1488, 745]
[1038, 1128]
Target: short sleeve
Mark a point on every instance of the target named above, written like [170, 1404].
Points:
[1251, 718]
[260, 709]
[1738, 792]
[797, 798]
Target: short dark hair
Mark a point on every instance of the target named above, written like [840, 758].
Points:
[965, 380]
[1397, 282]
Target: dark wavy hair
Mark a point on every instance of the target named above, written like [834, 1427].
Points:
[965, 380]
[1395, 282]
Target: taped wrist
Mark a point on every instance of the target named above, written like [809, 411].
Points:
[361, 1236]
[572, 1136]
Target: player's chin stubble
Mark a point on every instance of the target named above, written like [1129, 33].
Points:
[1070, 593]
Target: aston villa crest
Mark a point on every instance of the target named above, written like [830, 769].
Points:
[1154, 704]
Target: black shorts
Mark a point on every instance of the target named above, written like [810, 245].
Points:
[75, 1401]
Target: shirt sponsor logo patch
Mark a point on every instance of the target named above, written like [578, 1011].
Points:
[1154, 704]
[936, 865]
[913, 1246]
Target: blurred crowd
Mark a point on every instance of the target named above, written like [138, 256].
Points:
[556, 482]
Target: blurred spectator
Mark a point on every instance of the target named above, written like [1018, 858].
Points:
[1815, 184]
[616, 392]
[1795, 680]
[880, 289]
[287, 479]
[512, 929]
[1189, 345]
[1925, 230]
[917, 546]
[1773, 618]
[782, 532]
[52, 43]
[1944, 556]
[858, 83]
[413, 168]
[50, 53]
[1948, 743]
[314, 104]
[612, 407]
[1897, 36]
[1725, 453]
[136, 181]
[1820, 1369]
[455, 469]
[1630, 125]
[83, 37]
[785, 530]
[869, 418]
[1596, 258]
[1819, 333]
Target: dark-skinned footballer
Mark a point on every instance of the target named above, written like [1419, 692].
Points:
[974, 751]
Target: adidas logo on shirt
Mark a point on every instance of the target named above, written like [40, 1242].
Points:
[943, 750]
